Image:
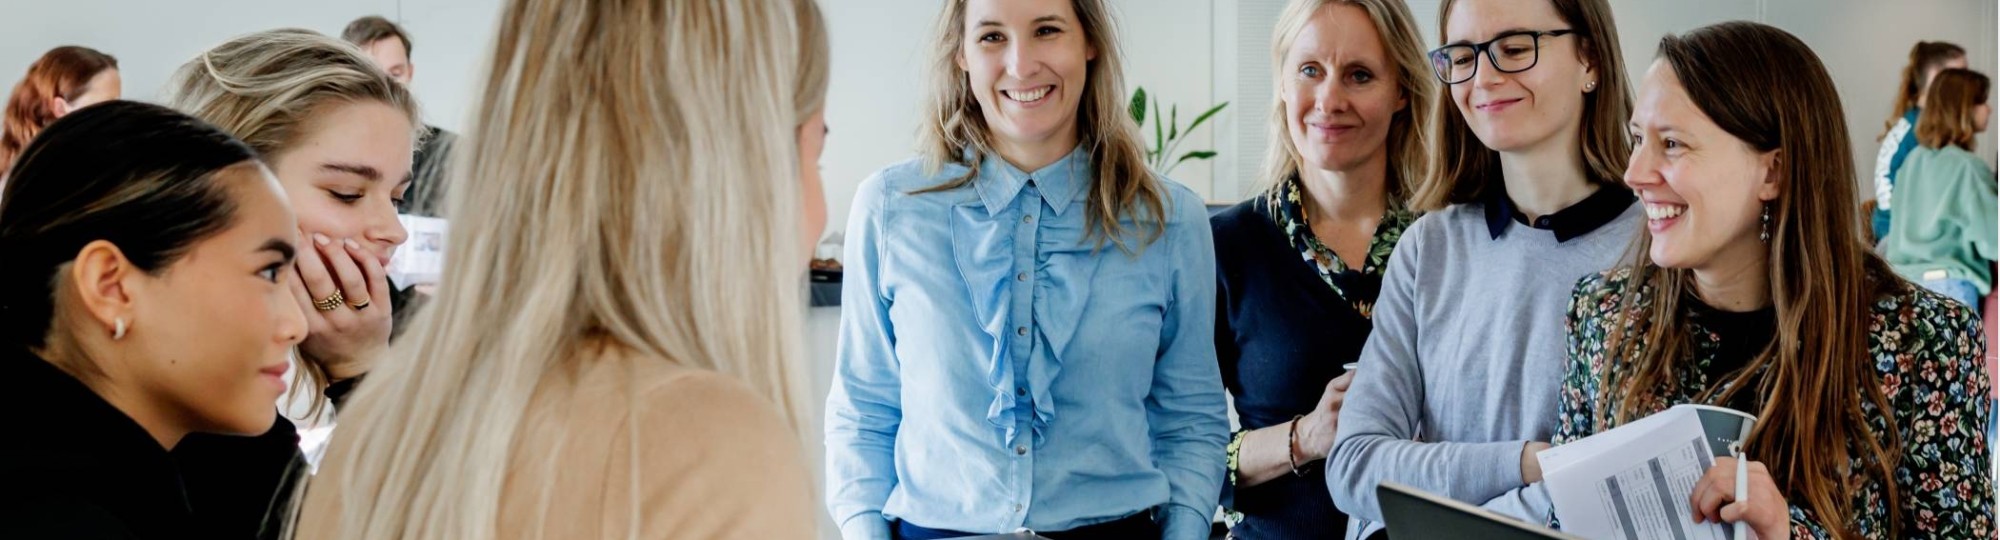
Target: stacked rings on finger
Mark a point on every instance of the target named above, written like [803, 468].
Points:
[331, 302]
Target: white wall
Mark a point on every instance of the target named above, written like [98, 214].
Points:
[152, 38]
[1190, 52]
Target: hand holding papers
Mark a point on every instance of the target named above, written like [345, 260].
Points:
[1636, 481]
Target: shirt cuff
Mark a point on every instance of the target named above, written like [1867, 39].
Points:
[1183, 523]
[867, 526]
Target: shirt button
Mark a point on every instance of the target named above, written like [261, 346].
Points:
[1027, 219]
[1021, 450]
[1021, 392]
[1017, 507]
[1021, 276]
[1022, 331]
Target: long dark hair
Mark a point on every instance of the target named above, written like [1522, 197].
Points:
[140, 176]
[63, 72]
[1766, 88]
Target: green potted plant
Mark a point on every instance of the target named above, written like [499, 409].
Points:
[1167, 133]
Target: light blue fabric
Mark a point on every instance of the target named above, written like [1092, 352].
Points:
[998, 368]
[1962, 290]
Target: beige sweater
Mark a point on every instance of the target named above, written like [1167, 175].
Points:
[715, 461]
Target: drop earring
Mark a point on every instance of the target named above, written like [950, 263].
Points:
[117, 328]
[1765, 234]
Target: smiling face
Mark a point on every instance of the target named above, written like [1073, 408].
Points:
[1520, 112]
[1027, 62]
[217, 325]
[1340, 91]
[347, 172]
[1704, 189]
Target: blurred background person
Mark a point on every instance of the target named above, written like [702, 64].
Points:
[65, 79]
[1899, 133]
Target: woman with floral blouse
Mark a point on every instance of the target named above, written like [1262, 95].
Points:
[1752, 289]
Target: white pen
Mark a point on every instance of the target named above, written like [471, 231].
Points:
[1742, 487]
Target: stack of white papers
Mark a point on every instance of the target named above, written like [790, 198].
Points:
[1634, 482]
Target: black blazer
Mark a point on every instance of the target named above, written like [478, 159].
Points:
[74, 466]
[1281, 335]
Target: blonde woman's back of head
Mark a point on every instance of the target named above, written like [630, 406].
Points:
[638, 187]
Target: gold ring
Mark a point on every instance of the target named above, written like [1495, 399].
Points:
[331, 302]
[363, 305]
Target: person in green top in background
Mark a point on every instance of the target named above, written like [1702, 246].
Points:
[1943, 233]
[1899, 134]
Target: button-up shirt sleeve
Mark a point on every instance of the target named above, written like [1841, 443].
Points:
[1187, 410]
[864, 407]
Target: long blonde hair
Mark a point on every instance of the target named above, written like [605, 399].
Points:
[1465, 168]
[1123, 188]
[639, 186]
[1409, 138]
[266, 88]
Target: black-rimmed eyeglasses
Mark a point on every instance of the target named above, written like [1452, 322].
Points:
[1512, 52]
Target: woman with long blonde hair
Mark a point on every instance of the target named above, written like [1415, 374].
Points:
[1751, 289]
[1299, 264]
[611, 351]
[1027, 335]
[338, 132]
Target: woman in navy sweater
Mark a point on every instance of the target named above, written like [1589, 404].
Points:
[1298, 265]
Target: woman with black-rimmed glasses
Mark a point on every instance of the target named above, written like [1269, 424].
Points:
[1459, 383]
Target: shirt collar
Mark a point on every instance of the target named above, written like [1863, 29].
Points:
[1577, 220]
[1058, 183]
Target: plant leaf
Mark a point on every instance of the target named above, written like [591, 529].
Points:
[1174, 122]
[1204, 116]
[1139, 106]
[1159, 133]
[1197, 154]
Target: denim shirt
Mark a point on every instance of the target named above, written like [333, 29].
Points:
[999, 369]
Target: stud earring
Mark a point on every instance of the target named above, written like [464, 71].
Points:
[117, 328]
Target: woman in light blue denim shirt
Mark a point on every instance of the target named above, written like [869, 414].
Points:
[1027, 339]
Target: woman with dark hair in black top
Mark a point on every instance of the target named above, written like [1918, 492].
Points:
[143, 298]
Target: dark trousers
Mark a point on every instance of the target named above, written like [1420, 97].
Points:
[1138, 526]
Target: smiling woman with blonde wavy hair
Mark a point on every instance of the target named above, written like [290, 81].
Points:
[611, 352]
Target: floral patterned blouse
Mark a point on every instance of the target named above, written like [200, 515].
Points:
[1927, 350]
[1357, 287]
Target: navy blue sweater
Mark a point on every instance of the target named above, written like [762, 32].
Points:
[1281, 335]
